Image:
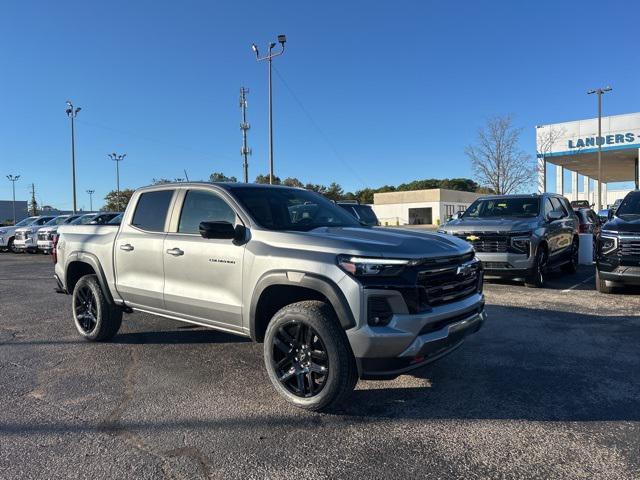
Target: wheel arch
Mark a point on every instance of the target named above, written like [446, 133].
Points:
[81, 264]
[277, 289]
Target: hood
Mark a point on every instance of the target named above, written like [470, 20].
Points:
[491, 225]
[374, 242]
[9, 230]
[48, 229]
[32, 229]
[625, 223]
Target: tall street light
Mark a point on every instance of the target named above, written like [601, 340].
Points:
[269, 57]
[117, 158]
[599, 92]
[72, 112]
[91, 192]
[13, 179]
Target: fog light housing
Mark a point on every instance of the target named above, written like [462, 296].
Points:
[379, 312]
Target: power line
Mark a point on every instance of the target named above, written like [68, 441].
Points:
[317, 127]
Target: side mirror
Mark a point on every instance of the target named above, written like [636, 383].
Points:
[219, 230]
[554, 215]
[610, 214]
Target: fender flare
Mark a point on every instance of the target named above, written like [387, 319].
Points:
[320, 284]
[91, 260]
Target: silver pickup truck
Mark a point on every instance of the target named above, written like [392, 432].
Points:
[332, 300]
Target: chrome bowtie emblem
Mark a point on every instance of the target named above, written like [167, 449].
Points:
[472, 238]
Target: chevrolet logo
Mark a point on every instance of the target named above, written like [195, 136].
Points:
[472, 238]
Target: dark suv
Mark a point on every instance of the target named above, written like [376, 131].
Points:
[618, 246]
[520, 236]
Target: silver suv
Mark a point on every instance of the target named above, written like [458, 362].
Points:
[331, 299]
[521, 236]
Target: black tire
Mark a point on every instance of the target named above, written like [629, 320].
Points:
[94, 317]
[572, 266]
[10, 246]
[537, 277]
[601, 285]
[305, 339]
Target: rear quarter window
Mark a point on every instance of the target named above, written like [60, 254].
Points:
[151, 210]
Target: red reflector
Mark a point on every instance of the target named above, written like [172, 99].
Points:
[417, 360]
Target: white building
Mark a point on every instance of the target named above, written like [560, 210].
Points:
[420, 207]
[574, 146]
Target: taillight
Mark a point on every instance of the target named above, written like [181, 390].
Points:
[583, 228]
[54, 251]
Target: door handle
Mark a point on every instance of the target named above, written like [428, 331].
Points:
[176, 252]
[127, 247]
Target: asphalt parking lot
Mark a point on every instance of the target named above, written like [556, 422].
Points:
[550, 388]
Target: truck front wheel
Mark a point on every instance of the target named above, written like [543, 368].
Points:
[94, 317]
[308, 357]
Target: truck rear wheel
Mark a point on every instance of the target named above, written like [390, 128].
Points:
[94, 317]
[308, 357]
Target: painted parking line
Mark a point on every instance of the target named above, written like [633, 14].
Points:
[578, 284]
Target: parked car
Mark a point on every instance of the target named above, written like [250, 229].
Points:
[331, 299]
[618, 246]
[7, 234]
[45, 234]
[520, 236]
[26, 238]
[115, 220]
[102, 218]
[576, 204]
[603, 215]
[589, 223]
[364, 213]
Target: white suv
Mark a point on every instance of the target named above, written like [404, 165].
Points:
[46, 233]
[25, 239]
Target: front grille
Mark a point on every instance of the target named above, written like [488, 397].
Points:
[448, 284]
[21, 235]
[486, 242]
[44, 236]
[629, 246]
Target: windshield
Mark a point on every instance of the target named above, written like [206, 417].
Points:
[70, 219]
[366, 214]
[503, 207]
[115, 220]
[102, 218]
[26, 221]
[630, 205]
[42, 220]
[292, 209]
[84, 219]
[56, 221]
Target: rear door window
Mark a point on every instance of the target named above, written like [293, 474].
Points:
[151, 210]
[557, 205]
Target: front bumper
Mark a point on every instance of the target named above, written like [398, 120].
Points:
[45, 245]
[24, 244]
[506, 264]
[622, 275]
[411, 341]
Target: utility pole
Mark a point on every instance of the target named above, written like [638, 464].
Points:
[13, 179]
[34, 204]
[269, 57]
[72, 112]
[599, 92]
[245, 151]
[117, 158]
[91, 192]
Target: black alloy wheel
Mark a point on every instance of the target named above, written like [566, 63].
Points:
[300, 359]
[86, 309]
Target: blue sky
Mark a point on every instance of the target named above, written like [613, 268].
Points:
[395, 90]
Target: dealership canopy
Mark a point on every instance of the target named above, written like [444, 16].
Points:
[574, 146]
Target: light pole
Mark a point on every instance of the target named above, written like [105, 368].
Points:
[91, 192]
[269, 57]
[13, 179]
[599, 92]
[72, 112]
[117, 158]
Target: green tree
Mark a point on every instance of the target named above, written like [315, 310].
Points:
[316, 187]
[292, 182]
[334, 192]
[265, 179]
[115, 204]
[221, 177]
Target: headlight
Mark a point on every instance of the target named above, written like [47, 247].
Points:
[365, 266]
[608, 244]
[522, 244]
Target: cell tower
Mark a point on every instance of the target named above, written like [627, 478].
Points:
[245, 151]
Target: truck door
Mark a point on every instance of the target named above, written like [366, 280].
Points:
[138, 251]
[564, 231]
[203, 276]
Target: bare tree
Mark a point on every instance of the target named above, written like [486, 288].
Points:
[497, 160]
